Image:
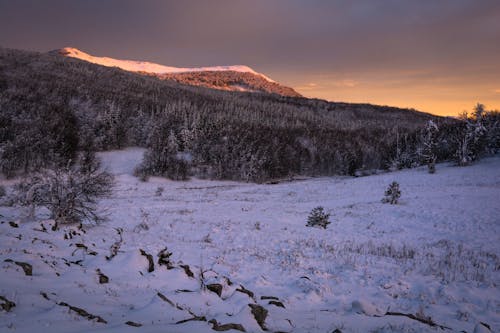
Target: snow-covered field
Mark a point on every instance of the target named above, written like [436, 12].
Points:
[434, 257]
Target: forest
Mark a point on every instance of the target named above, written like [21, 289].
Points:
[53, 107]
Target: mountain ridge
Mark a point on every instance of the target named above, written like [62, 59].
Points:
[229, 78]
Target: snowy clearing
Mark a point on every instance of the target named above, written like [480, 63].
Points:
[241, 254]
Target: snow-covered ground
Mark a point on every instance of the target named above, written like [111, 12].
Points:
[435, 256]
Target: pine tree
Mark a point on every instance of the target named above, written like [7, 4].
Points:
[392, 194]
[318, 218]
[163, 157]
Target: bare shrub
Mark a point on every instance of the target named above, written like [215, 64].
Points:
[71, 194]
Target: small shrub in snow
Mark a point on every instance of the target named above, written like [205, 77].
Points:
[3, 192]
[159, 191]
[257, 225]
[318, 218]
[207, 239]
[392, 194]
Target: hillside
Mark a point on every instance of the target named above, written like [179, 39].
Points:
[231, 78]
[434, 256]
[231, 81]
[51, 106]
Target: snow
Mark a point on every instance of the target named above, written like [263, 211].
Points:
[148, 67]
[436, 254]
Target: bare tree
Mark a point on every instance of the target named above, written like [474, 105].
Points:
[470, 140]
[71, 194]
[429, 145]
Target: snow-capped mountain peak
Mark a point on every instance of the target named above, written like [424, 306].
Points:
[148, 67]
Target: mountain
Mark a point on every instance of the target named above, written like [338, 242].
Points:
[231, 78]
[52, 106]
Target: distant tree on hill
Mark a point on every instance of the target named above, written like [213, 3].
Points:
[163, 157]
[429, 145]
[404, 150]
[492, 124]
[470, 137]
[47, 138]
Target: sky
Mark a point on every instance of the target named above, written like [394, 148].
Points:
[438, 56]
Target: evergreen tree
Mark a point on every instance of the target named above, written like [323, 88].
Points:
[392, 194]
[318, 218]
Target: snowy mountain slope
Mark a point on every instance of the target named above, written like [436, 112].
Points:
[148, 67]
[436, 255]
[233, 78]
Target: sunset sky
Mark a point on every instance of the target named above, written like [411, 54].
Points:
[436, 56]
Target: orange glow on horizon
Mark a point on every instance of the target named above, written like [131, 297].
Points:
[436, 107]
[420, 90]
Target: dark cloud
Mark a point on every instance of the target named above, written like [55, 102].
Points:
[284, 38]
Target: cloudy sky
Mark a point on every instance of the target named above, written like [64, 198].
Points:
[440, 56]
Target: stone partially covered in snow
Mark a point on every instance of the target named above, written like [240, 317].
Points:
[367, 308]
[481, 328]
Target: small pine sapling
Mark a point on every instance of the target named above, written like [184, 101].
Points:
[318, 218]
[392, 194]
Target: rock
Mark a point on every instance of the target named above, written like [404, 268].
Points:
[184, 291]
[102, 278]
[277, 303]
[44, 295]
[164, 258]
[27, 268]
[6, 305]
[269, 297]
[151, 266]
[226, 327]
[187, 270]
[216, 288]
[245, 291]
[134, 324]
[260, 315]
[194, 318]
[482, 328]
[83, 313]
